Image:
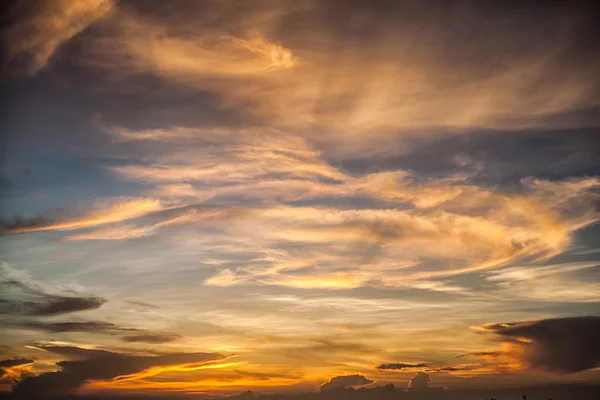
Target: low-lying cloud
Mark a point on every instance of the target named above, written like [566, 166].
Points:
[84, 365]
[419, 381]
[345, 381]
[560, 345]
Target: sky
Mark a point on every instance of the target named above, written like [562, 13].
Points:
[214, 196]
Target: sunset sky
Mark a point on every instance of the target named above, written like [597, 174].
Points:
[221, 195]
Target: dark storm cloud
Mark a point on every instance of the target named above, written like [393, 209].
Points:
[561, 345]
[86, 365]
[400, 366]
[345, 381]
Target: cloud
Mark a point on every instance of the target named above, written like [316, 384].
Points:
[64, 305]
[102, 214]
[419, 381]
[73, 326]
[560, 345]
[398, 366]
[325, 76]
[123, 232]
[345, 381]
[152, 337]
[85, 365]
[9, 368]
[41, 27]
[21, 297]
[550, 282]
[101, 327]
[403, 238]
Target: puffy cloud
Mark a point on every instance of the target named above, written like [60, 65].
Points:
[41, 27]
[419, 381]
[345, 381]
[86, 365]
[561, 345]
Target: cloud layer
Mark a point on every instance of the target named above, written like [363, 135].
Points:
[85, 365]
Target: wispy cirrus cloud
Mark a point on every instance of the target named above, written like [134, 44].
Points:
[40, 28]
[102, 214]
[477, 227]
[401, 78]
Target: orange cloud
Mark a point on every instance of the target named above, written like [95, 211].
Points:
[119, 211]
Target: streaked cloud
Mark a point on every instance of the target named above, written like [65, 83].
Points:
[402, 79]
[42, 27]
[331, 193]
[102, 214]
[87, 364]
[21, 297]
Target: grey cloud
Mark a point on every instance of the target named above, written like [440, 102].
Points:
[17, 224]
[419, 381]
[400, 366]
[59, 327]
[102, 327]
[560, 345]
[56, 305]
[142, 305]
[87, 365]
[345, 381]
[22, 298]
[152, 337]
